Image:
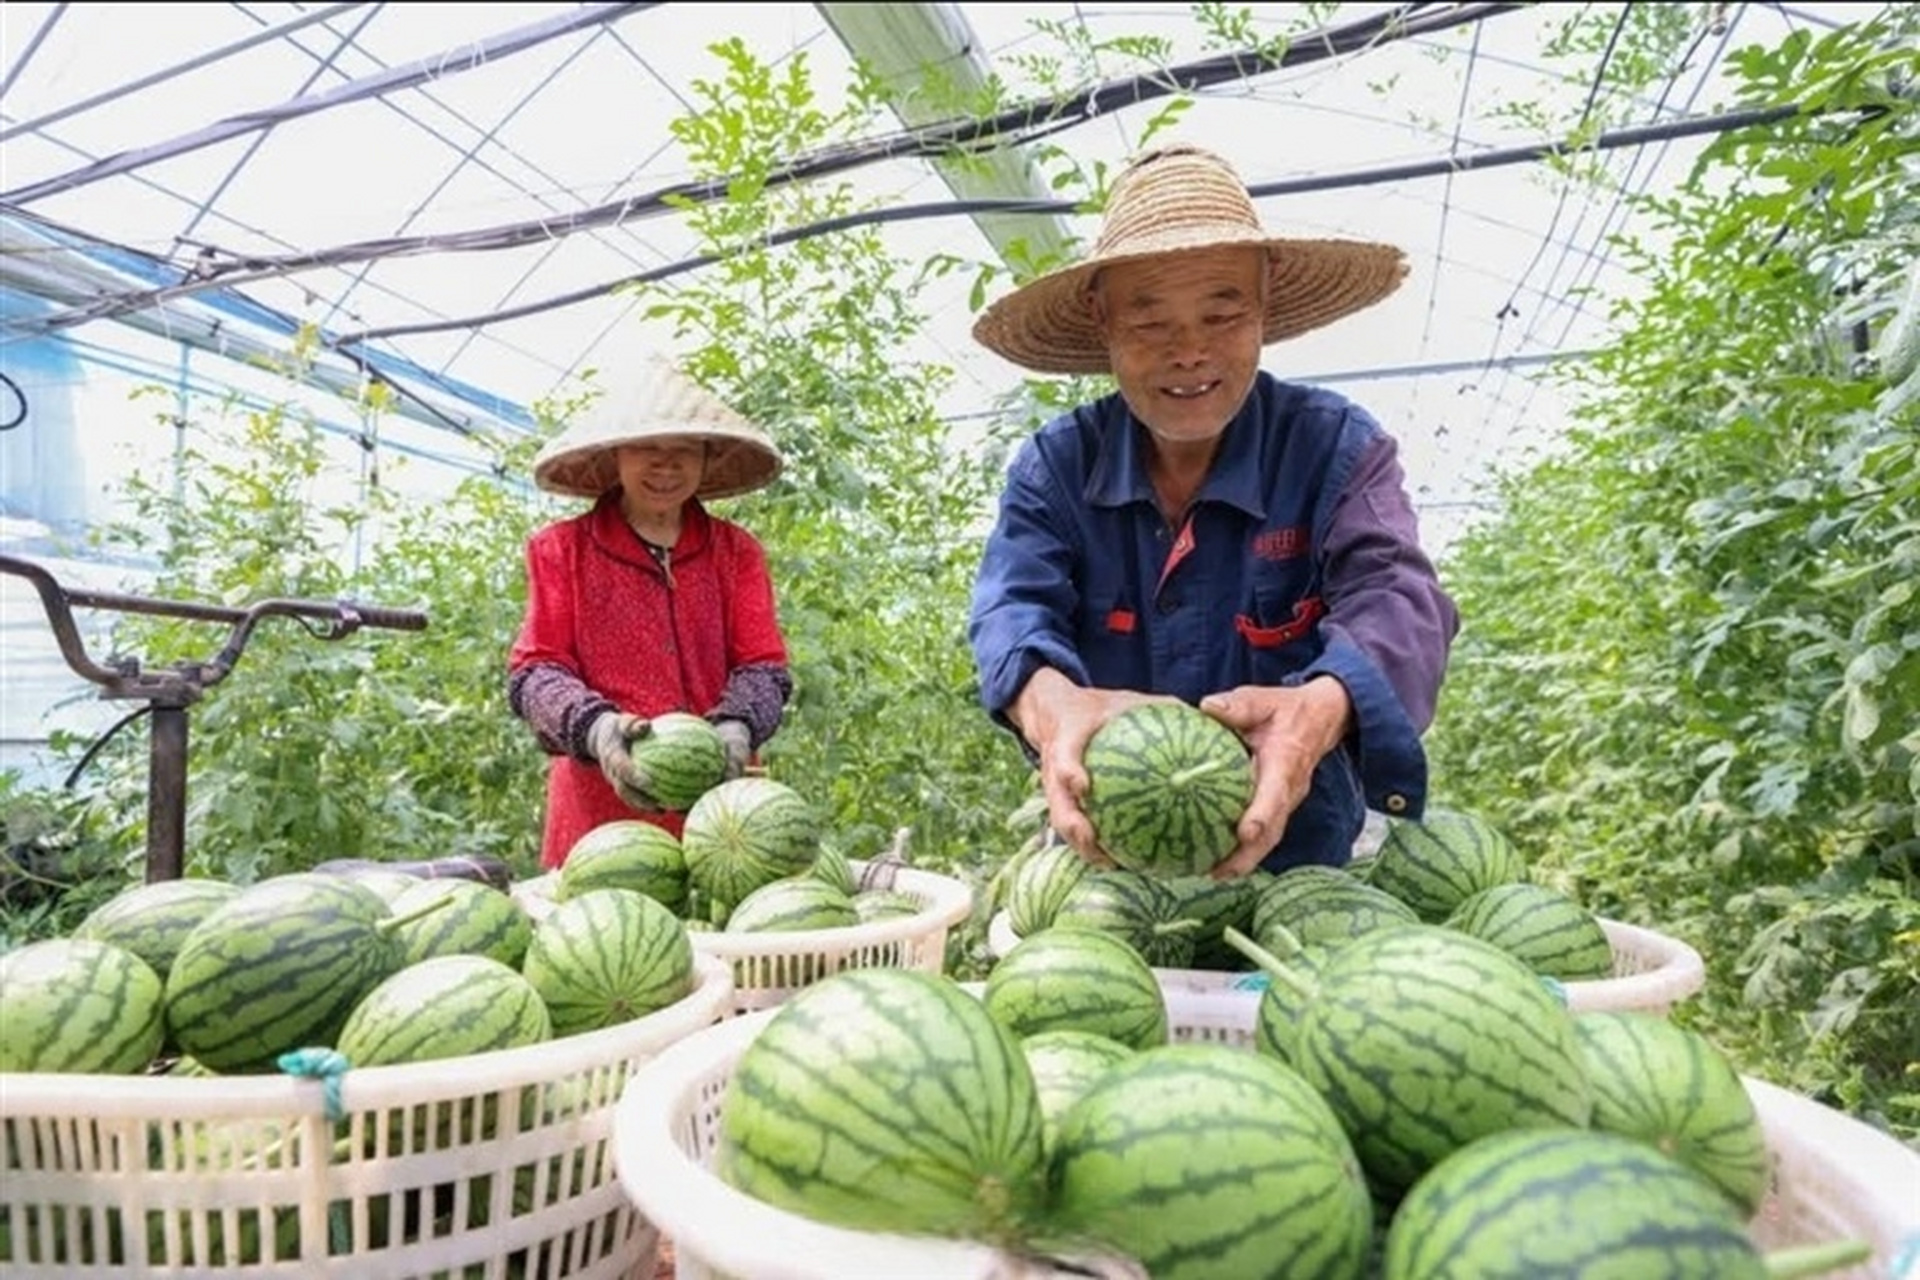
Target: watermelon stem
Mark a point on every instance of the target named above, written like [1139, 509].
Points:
[1166, 927]
[393, 922]
[1271, 965]
[1815, 1259]
[1181, 777]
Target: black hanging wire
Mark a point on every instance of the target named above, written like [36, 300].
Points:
[18, 413]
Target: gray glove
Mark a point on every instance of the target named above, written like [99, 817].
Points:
[608, 738]
[738, 742]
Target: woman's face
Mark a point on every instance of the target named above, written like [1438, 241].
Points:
[659, 476]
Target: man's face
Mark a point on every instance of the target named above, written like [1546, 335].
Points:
[1183, 334]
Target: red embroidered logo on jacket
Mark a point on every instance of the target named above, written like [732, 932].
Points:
[1280, 544]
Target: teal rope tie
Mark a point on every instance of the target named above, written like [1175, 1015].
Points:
[1252, 982]
[326, 1066]
[1906, 1260]
[323, 1065]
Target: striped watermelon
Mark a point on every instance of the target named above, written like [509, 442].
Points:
[1065, 1064]
[870, 905]
[1208, 1163]
[1436, 863]
[682, 757]
[787, 906]
[626, 854]
[152, 920]
[1423, 1039]
[1672, 1087]
[1542, 928]
[608, 957]
[1215, 905]
[744, 834]
[1040, 883]
[1166, 787]
[832, 866]
[1276, 1026]
[446, 1007]
[1326, 909]
[278, 967]
[1136, 908]
[74, 1004]
[1275, 903]
[887, 1100]
[1077, 980]
[476, 919]
[1566, 1202]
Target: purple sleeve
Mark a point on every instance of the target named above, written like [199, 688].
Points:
[558, 706]
[756, 695]
[1383, 596]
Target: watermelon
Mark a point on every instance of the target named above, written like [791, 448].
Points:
[1077, 980]
[74, 1004]
[1439, 861]
[747, 833]
[1208, 1163]
[1542, 928]
[1065, 1064]
[476, 919]
[1214, 905]
[870, 905]
[1529, 1203]
[279, 967]
[446, 1007]
[607, 957]
[1166, 787]
[152, 920]
[832, 866]
[887, 1100]
[1040, 883]
[1134, 907]
[1423, 1039]
[1672, 1087]
[788, 906]
[682, 757]
[1278, 893]
[1326, 909]
[626, 854]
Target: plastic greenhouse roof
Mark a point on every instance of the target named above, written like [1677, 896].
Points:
[141, 140]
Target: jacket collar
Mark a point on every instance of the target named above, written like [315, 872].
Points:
[611, 533]
[1119, 473]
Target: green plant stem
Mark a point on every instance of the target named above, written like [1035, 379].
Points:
[1271, 965]
[1816, 1259]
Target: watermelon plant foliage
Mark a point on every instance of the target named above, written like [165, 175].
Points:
[1689, 677]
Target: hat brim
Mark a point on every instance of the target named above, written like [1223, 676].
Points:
[739, 462]
[1047, 325]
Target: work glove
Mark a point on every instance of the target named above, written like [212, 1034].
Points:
[608, 738]
[739, 745]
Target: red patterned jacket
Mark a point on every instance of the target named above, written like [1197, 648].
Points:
[608, 626]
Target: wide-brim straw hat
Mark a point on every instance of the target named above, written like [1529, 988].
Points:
[1178, 200]
[650, 401]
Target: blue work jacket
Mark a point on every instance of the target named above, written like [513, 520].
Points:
[1299, 557]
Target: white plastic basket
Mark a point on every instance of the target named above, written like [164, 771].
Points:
[1651, 971]
[1837, 1178]
[135, 1177]
[769, 967]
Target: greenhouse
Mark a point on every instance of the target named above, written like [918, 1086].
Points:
[935, 640]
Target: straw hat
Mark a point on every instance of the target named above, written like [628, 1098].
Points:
[653, 401]
[1176, 200]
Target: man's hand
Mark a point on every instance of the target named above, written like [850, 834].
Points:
[1289, 730]
[1057, 717]
[737, 740]
[608, 738]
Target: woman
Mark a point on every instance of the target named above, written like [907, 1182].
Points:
[646, 603]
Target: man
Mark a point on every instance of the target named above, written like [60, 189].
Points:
[1211, 533]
